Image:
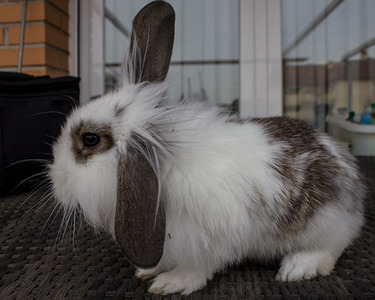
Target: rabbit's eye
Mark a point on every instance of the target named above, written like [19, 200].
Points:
[91, 140]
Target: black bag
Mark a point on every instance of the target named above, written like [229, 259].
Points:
[32, 111]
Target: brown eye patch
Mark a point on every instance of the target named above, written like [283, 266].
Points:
[90, 138]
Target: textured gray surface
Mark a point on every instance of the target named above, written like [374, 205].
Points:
[34, 264]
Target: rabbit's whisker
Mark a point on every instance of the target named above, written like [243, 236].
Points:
[50, 215]
[61, 228]
[46, 197]
[32, 195]
[56, 112]
[67, 222]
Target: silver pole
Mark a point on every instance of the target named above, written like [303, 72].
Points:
[20, 51]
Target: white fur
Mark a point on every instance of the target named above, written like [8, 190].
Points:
[218, 190]
[306, 265]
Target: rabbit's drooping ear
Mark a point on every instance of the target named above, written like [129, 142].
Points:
[139, 222]
[153, 33]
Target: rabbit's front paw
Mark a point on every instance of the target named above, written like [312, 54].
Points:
[305, 265]
[147, 273]
[178, 281]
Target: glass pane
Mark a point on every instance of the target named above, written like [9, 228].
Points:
[205, 60]
[328, 51]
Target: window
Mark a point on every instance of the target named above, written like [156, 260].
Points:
[328, 54]
[225, 52]
[205, 60]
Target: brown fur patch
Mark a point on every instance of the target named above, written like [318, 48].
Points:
[309, 173]
[307, 169]
[81, 152]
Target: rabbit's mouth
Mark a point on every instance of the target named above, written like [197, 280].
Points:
[87, 190]
[98, 211]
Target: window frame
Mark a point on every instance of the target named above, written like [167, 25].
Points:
[260, 62]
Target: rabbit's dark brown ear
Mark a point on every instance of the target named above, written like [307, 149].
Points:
[139, 222]
[153, 32]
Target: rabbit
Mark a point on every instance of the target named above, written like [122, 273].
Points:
[187, 190]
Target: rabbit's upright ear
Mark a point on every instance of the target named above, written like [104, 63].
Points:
[139, 222]
[152, 38]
